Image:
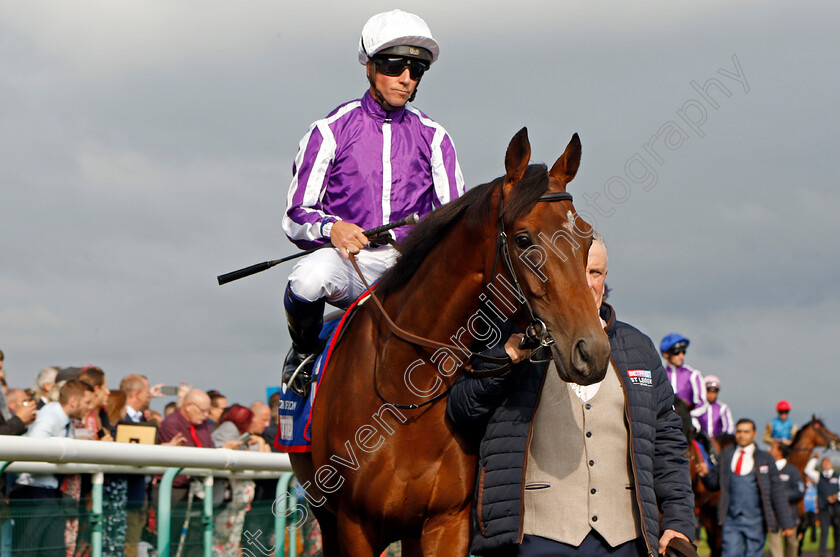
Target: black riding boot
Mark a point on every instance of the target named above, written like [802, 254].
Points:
[305, 320]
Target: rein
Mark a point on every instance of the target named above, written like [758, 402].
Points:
[536, 332]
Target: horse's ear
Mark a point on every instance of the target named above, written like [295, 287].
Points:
[566, 167]
[517, 157]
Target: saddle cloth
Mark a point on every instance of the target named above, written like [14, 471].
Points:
[294, 420]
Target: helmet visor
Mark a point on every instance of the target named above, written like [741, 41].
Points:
[409, 52]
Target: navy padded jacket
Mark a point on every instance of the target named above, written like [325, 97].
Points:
[498, 411]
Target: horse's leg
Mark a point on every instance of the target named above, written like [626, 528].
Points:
[354, 539]
[329, 532]
[411, 547]
[305, 475]
[713, 533]
[447, 535]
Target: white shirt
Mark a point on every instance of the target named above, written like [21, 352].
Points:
[748, 463]
[133, 415]
[52, 421]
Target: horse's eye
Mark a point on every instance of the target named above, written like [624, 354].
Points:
[523, 241]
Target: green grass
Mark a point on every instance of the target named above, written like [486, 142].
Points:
[808, 546]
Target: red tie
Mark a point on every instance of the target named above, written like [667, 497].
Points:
[738, 464]
[198, 443]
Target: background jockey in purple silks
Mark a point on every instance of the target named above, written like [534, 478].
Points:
[371, 161]
[714, 417]
[686, 381]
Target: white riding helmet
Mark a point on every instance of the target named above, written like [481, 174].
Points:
[397, 28]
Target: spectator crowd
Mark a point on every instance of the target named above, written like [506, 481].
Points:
[76, 402]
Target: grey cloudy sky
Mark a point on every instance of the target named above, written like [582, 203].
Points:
[147, 148]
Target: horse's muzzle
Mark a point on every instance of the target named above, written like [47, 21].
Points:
[586, 361]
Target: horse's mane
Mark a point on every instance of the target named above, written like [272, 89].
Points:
[475, 206]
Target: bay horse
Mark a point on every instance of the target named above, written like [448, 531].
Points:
[385, 464]
[812, 435]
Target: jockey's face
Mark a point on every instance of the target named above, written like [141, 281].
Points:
[394, 90]
[675, 360]
[711, 396]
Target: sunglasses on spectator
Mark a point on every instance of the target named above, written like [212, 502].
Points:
[394, 66]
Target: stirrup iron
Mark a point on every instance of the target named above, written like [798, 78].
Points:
[300, 380]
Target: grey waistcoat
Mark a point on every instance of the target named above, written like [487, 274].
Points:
[577, 474]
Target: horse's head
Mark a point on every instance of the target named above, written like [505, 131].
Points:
[822, 435]
[548, 244]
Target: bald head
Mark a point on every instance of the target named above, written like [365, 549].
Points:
[196, 407]
[261, 419]
[197, 396]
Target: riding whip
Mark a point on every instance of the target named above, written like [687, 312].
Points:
[259, 267]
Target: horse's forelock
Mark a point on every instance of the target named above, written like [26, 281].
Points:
[525, 194]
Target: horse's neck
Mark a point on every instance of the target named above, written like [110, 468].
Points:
[439, 303]
[801, 452]
[446, 287]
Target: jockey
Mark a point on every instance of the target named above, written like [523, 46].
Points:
[686, 381]
[714, 416]
[780, 428]
[369, 162]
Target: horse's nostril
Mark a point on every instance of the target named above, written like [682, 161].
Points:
[581, 357]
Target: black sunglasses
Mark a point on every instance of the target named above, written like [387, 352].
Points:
[394, 66]
[676, 351]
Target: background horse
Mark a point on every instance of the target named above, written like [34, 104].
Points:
[385, 464]
[811, 435]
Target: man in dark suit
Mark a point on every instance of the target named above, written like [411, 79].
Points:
[828, 506]
[794, 488]
[752, 500]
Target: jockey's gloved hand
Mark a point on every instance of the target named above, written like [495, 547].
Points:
[380, 240]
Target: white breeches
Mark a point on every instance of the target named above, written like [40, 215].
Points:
[325, 274]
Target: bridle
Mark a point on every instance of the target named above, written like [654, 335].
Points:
[536, 333]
